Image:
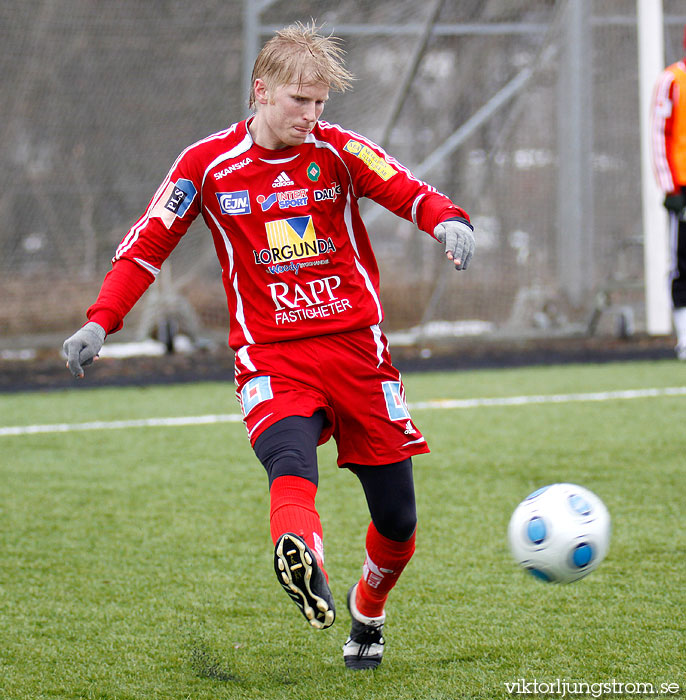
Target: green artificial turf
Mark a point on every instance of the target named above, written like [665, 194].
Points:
[137, 562]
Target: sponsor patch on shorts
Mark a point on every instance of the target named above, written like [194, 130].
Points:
[395, 401]
[256, 390]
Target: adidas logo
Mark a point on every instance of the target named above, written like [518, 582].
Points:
[409, 429]
[282, 180]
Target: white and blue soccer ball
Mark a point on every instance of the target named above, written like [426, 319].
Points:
[560, 533]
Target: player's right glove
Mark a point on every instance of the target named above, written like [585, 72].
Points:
[458, 237]
[676, 201]
[83, 347]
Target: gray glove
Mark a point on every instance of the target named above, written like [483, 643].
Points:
[83, 347]
[458, 237]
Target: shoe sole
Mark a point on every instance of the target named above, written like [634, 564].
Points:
[355, 664]
[295, 566]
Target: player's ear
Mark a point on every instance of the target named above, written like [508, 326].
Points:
[261, 91]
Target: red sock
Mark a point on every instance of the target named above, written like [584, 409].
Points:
[385, 561]
[292, 510]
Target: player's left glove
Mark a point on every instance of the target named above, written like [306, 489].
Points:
[458, 237]
[83, 347]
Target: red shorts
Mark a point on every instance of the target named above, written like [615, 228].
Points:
[347, 375]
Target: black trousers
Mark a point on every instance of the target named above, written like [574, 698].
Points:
[677, 229]
[289, 448]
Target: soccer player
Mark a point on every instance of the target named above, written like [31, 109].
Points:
[668, 124]
[279, 193]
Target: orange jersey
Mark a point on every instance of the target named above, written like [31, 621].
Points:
[668, 128]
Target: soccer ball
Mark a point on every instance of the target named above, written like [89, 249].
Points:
[560, 533]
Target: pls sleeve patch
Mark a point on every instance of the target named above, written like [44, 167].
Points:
[174, 202]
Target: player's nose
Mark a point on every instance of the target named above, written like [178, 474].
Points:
[310, 113]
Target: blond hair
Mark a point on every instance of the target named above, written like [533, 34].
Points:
[300, 54]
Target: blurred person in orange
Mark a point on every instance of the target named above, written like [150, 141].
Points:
[668, 139]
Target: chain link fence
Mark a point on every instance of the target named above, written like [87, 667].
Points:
[525, 112]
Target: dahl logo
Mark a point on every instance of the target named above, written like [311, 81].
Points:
[313, 171]
[328, 193]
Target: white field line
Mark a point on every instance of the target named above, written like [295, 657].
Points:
[118, 424]
[435, 405]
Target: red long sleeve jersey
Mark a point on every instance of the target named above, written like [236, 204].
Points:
[296, 259]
